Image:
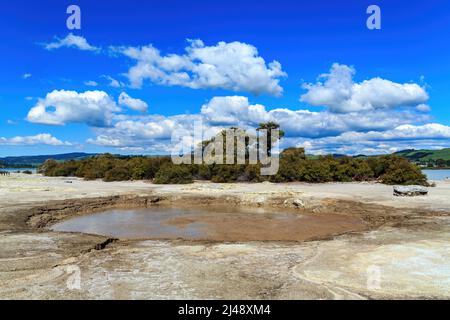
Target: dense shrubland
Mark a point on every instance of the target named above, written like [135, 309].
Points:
[293, 166]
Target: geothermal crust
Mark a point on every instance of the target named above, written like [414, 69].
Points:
[368, 244]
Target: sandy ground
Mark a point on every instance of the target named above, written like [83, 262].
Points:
[410, 259]
[24, 189]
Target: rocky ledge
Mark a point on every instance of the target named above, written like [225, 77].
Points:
[410, 191]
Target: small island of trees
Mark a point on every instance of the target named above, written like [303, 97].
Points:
[294, 166]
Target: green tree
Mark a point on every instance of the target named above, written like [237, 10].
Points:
[269, 126]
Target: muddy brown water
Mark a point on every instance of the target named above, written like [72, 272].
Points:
[217, 224]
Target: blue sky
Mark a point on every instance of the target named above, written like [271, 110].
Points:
[247, 61]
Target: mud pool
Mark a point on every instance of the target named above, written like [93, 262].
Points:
[218, 224]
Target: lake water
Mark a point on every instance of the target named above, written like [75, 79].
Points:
[18, 169]
[219, 224]
[437, 174]
[131, 224]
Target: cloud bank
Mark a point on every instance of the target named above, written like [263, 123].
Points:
[43, 138]
[318, 131]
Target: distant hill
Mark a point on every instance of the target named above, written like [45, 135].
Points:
[425, 155]
[437, 159]
[334, 155]
[38, 160]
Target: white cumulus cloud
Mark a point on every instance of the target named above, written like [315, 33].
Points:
[132, 103]
[113, 82]
[91, 83]
[70, 41]
[339, 93]
[234, 66]
[42, 138]
[151, 133]
[423, 108]
[230, 110]
[59, 107]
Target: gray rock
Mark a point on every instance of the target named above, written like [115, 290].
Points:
[410, 191]
[296, 203]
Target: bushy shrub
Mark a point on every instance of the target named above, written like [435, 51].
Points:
[204, 172]
[293, 154]
[316, 171]
[252, 173]
[229, 173]
[292, 164]
[173, 174]
[401, 171]
[348, 169]
[48, 168]
[117, 174]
